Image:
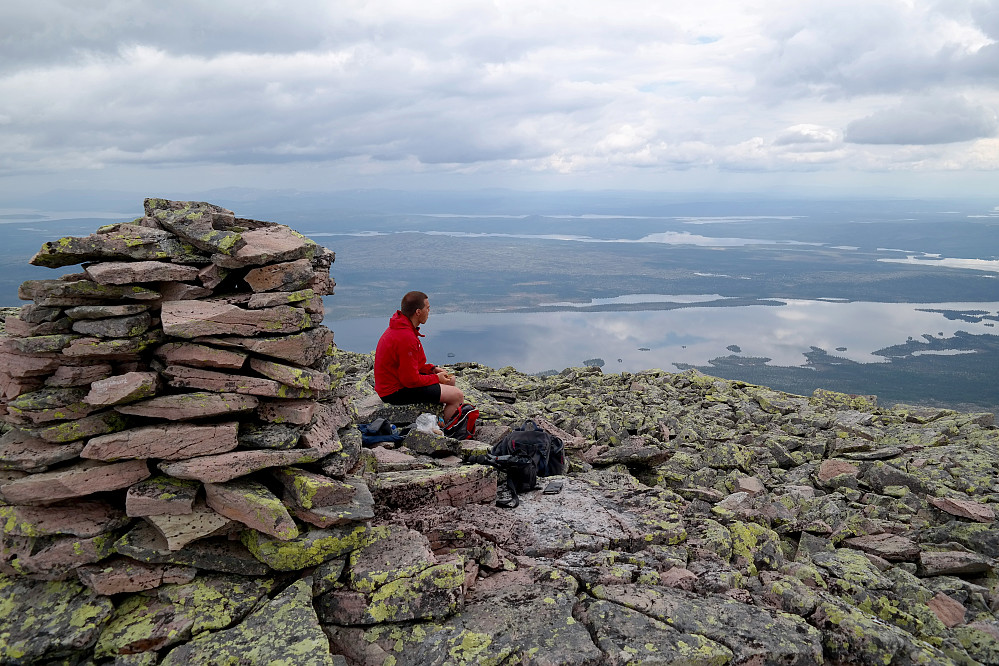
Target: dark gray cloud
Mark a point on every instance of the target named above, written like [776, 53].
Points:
[925, 122]
[95, 89]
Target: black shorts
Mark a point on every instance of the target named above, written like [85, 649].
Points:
[412, 396]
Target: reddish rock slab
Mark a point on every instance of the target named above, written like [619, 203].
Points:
[190, 405]
[180, 530]
[89, 426]
[266, 246]
[200, 356]
[209, 380]
[132, 272]
[15, 364]
[892, 547]
[467, 484]
[192, 319]
[55, 558]
[253, 505]
[82, 479]
[269, 299]
[86, 518]
[948, 610]
[288, 276]
[161, 496]
[322, 435]
[20, 451]
[120, 389]
[174, 441]
[829, 469]
[296, 412]
[212, 276]
[749, 484]
[83, 312]
[119, 575]
[953, 563]
[81, 375]
[181, 291]
[11, 387]
[22, 329]
[291, 375]
[115, 327]
[303, 348]
[679, 578]
[962, 508]
[229, 466]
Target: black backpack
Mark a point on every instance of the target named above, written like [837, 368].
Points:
[526, 453]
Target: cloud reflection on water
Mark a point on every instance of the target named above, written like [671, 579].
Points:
[538, 341]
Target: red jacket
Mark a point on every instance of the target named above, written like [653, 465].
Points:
[400, 361]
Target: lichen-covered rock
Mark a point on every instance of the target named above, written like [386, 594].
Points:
[308, 549]
[44, 622]
[282, 631]
[626, 636]
[177, 612]
[490, 630]
[751, 633]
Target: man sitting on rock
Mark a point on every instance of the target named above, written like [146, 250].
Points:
[402, 374]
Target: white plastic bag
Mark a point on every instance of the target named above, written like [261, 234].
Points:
[428, 423]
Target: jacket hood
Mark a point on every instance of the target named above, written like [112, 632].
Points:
[401, 321]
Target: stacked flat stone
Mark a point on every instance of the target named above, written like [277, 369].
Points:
[171, 405]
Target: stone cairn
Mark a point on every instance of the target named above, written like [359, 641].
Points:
[162, 404]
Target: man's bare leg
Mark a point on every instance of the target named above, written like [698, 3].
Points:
[451, 398]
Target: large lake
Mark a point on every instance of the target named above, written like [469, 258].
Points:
[894, 298]
[636, 340]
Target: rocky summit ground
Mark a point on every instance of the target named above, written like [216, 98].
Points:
[702, 521]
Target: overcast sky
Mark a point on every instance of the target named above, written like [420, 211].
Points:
[844, 96]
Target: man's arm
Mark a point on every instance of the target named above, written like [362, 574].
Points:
[410, 374]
